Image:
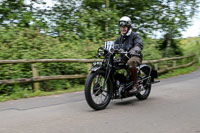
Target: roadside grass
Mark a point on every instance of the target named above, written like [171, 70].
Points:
[180, 71]
[19, 94]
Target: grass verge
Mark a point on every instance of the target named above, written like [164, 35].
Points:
[19, 94]
[180, 71]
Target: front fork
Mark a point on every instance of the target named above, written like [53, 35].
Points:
[108, 70]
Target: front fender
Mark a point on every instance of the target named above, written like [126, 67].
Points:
[95, 68]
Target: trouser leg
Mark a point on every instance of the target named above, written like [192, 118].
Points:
[132, 64]
[134, 74]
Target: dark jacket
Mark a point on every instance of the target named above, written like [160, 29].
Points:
[132, 43]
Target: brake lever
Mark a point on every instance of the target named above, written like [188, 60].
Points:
[127, 56]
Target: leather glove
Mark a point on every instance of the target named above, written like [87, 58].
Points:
[135, 51]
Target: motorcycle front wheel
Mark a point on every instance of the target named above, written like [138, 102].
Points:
[97, 94]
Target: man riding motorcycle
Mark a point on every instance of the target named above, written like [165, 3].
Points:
[131, 42]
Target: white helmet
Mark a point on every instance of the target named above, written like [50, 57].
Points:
[125, 21]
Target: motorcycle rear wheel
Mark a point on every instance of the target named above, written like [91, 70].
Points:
[97, 96]
[144, 95]
[146, 84]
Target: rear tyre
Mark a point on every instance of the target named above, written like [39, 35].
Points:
[144, 94]
[146, 88]
[97, 96]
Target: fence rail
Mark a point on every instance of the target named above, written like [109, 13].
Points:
[81, 60]
[36, 78]
[49, 61]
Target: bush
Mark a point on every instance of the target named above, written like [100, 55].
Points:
[27, 43]
[22, 43]
[150, 51]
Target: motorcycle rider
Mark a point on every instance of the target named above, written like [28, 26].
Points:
[131, 42]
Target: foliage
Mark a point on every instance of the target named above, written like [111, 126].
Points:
[21, 13]
[190, 45]
[170, 47]
[89, 17]
[147, 16]
[150, 51]
[28, 43]
[23, 43]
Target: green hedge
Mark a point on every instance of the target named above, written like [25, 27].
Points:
[26, 43]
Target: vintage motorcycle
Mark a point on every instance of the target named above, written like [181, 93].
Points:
[110, 79]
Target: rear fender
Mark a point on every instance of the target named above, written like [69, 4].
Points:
[146, 69]
[149, 71]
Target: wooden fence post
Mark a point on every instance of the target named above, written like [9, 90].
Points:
[36, 85]
[89, 67]
[174, 63]
[199, 56]
[156, 66]
[183, 61]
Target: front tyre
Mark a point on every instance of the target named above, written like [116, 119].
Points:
[97, 96]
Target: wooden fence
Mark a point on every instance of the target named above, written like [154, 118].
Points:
[36, 78]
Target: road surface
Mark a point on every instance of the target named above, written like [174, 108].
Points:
[173, 107]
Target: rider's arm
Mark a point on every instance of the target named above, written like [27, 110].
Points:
[135, 51]
[137, 41]
[138, 45]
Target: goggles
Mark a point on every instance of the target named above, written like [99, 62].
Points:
[123, 23]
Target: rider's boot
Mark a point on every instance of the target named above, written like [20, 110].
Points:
[134, 75]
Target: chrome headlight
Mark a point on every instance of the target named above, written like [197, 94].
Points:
[100, 52]
[97, 63]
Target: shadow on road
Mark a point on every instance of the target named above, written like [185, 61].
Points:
[133, 101]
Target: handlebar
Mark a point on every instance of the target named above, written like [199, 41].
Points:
[120, 51]
[104, 51]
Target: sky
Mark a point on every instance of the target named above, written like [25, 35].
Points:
[191, 31]
[194, 29]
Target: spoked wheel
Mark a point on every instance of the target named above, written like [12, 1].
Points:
[145, 88]
[97, 94]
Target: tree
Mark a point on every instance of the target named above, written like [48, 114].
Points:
[91, 18]
[148, 16]
[20, 13]
[175, 16]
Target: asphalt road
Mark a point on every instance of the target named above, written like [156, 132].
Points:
[173, 107]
